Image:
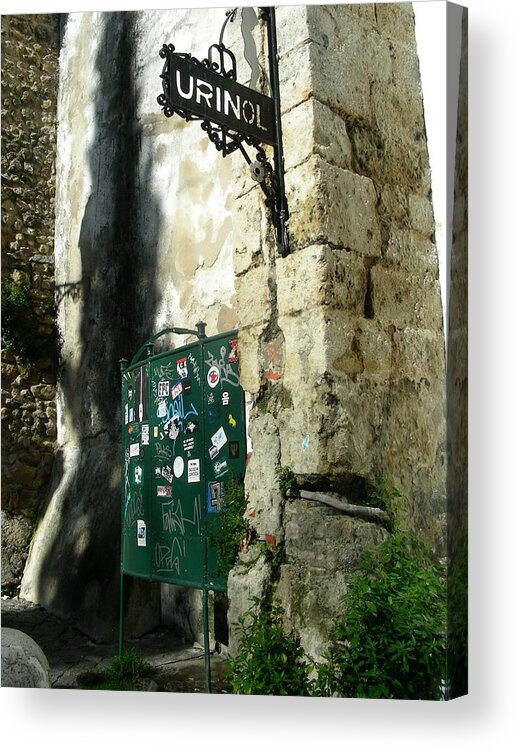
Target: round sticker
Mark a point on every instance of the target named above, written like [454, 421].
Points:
[178, 466]
[213, 377]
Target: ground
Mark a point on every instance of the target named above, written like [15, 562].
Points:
[173, 666]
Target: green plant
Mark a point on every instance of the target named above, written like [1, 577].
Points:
[269, 661]
[232, 528]
[17, 316]
[286, 480]
[390, 640]
[20, 322]
[122, 674]
[389, 498]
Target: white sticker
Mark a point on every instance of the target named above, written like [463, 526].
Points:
[134, 449]
[141, 534]
[178, 466]
[213, 451]
[131, 415]
[155, 431]
[145, 434]
[177, 389]
[138, 475]
[219, 439]
[193, 470]
[164, 491]
[163, 388]
[225, 398]
[126, 414]
[213, 377]
[162, 409]
[220, 467]
[181, 367]
[167, 473]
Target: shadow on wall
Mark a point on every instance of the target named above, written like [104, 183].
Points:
[76, 573]
[457, 402]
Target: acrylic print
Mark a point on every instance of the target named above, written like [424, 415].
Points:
[234, 351]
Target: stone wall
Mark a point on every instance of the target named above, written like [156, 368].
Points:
[30, 48]
[341, 342]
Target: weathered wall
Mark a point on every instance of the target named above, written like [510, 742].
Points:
[29, 94]
[143, 241]
[341, 342]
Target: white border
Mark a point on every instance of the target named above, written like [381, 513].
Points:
[485, 718]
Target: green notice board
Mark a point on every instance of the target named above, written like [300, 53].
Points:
[183, 437]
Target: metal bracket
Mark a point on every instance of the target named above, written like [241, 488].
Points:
[227, 140]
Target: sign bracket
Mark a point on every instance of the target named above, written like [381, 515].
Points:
[233, 116]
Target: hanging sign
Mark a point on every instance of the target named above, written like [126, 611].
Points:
[198, 91]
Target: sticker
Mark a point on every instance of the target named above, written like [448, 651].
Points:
[188, 444]
[233, 447]
[191, 425]
[162, 491]
[163, 388]
[193, 470]
[219, 439]
[167, 473]
[220, 468]
[162, 409]
[126, 414]
[225, 398]
[134, 449]
[178, 466]
[129, 394]
[130, 429]
[210, 399]
[214, 496]
[233, 356]
[155, 431]
[141, 533]
[138, 474]
[177, 389]
[187, 386]
[231, 421]
[131, 415]
[213, 376]
[157, 472]
[141, 378]
[172, 427]
[181, 367]
[213, 451]
[145, 434]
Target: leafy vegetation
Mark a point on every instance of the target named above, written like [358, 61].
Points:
[286, 480]
[20, 321]
[232, 528]
[390, 641]
[123, 673]
[269, 660]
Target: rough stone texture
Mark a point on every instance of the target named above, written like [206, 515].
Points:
[23, 662]
[359, 387]
[29, 101]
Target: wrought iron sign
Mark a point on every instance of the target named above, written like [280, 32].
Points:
[233, 116]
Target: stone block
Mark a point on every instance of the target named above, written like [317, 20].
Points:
[405, 300]
[313, 128]
[411, 251]
[262, 477]
[254, 297]
[421, 215]
[395, 20]
[246, 581]
[329, 204]
[250, 365]
[320, 276]
[419, 355]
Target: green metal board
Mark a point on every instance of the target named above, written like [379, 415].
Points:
[184, 436]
